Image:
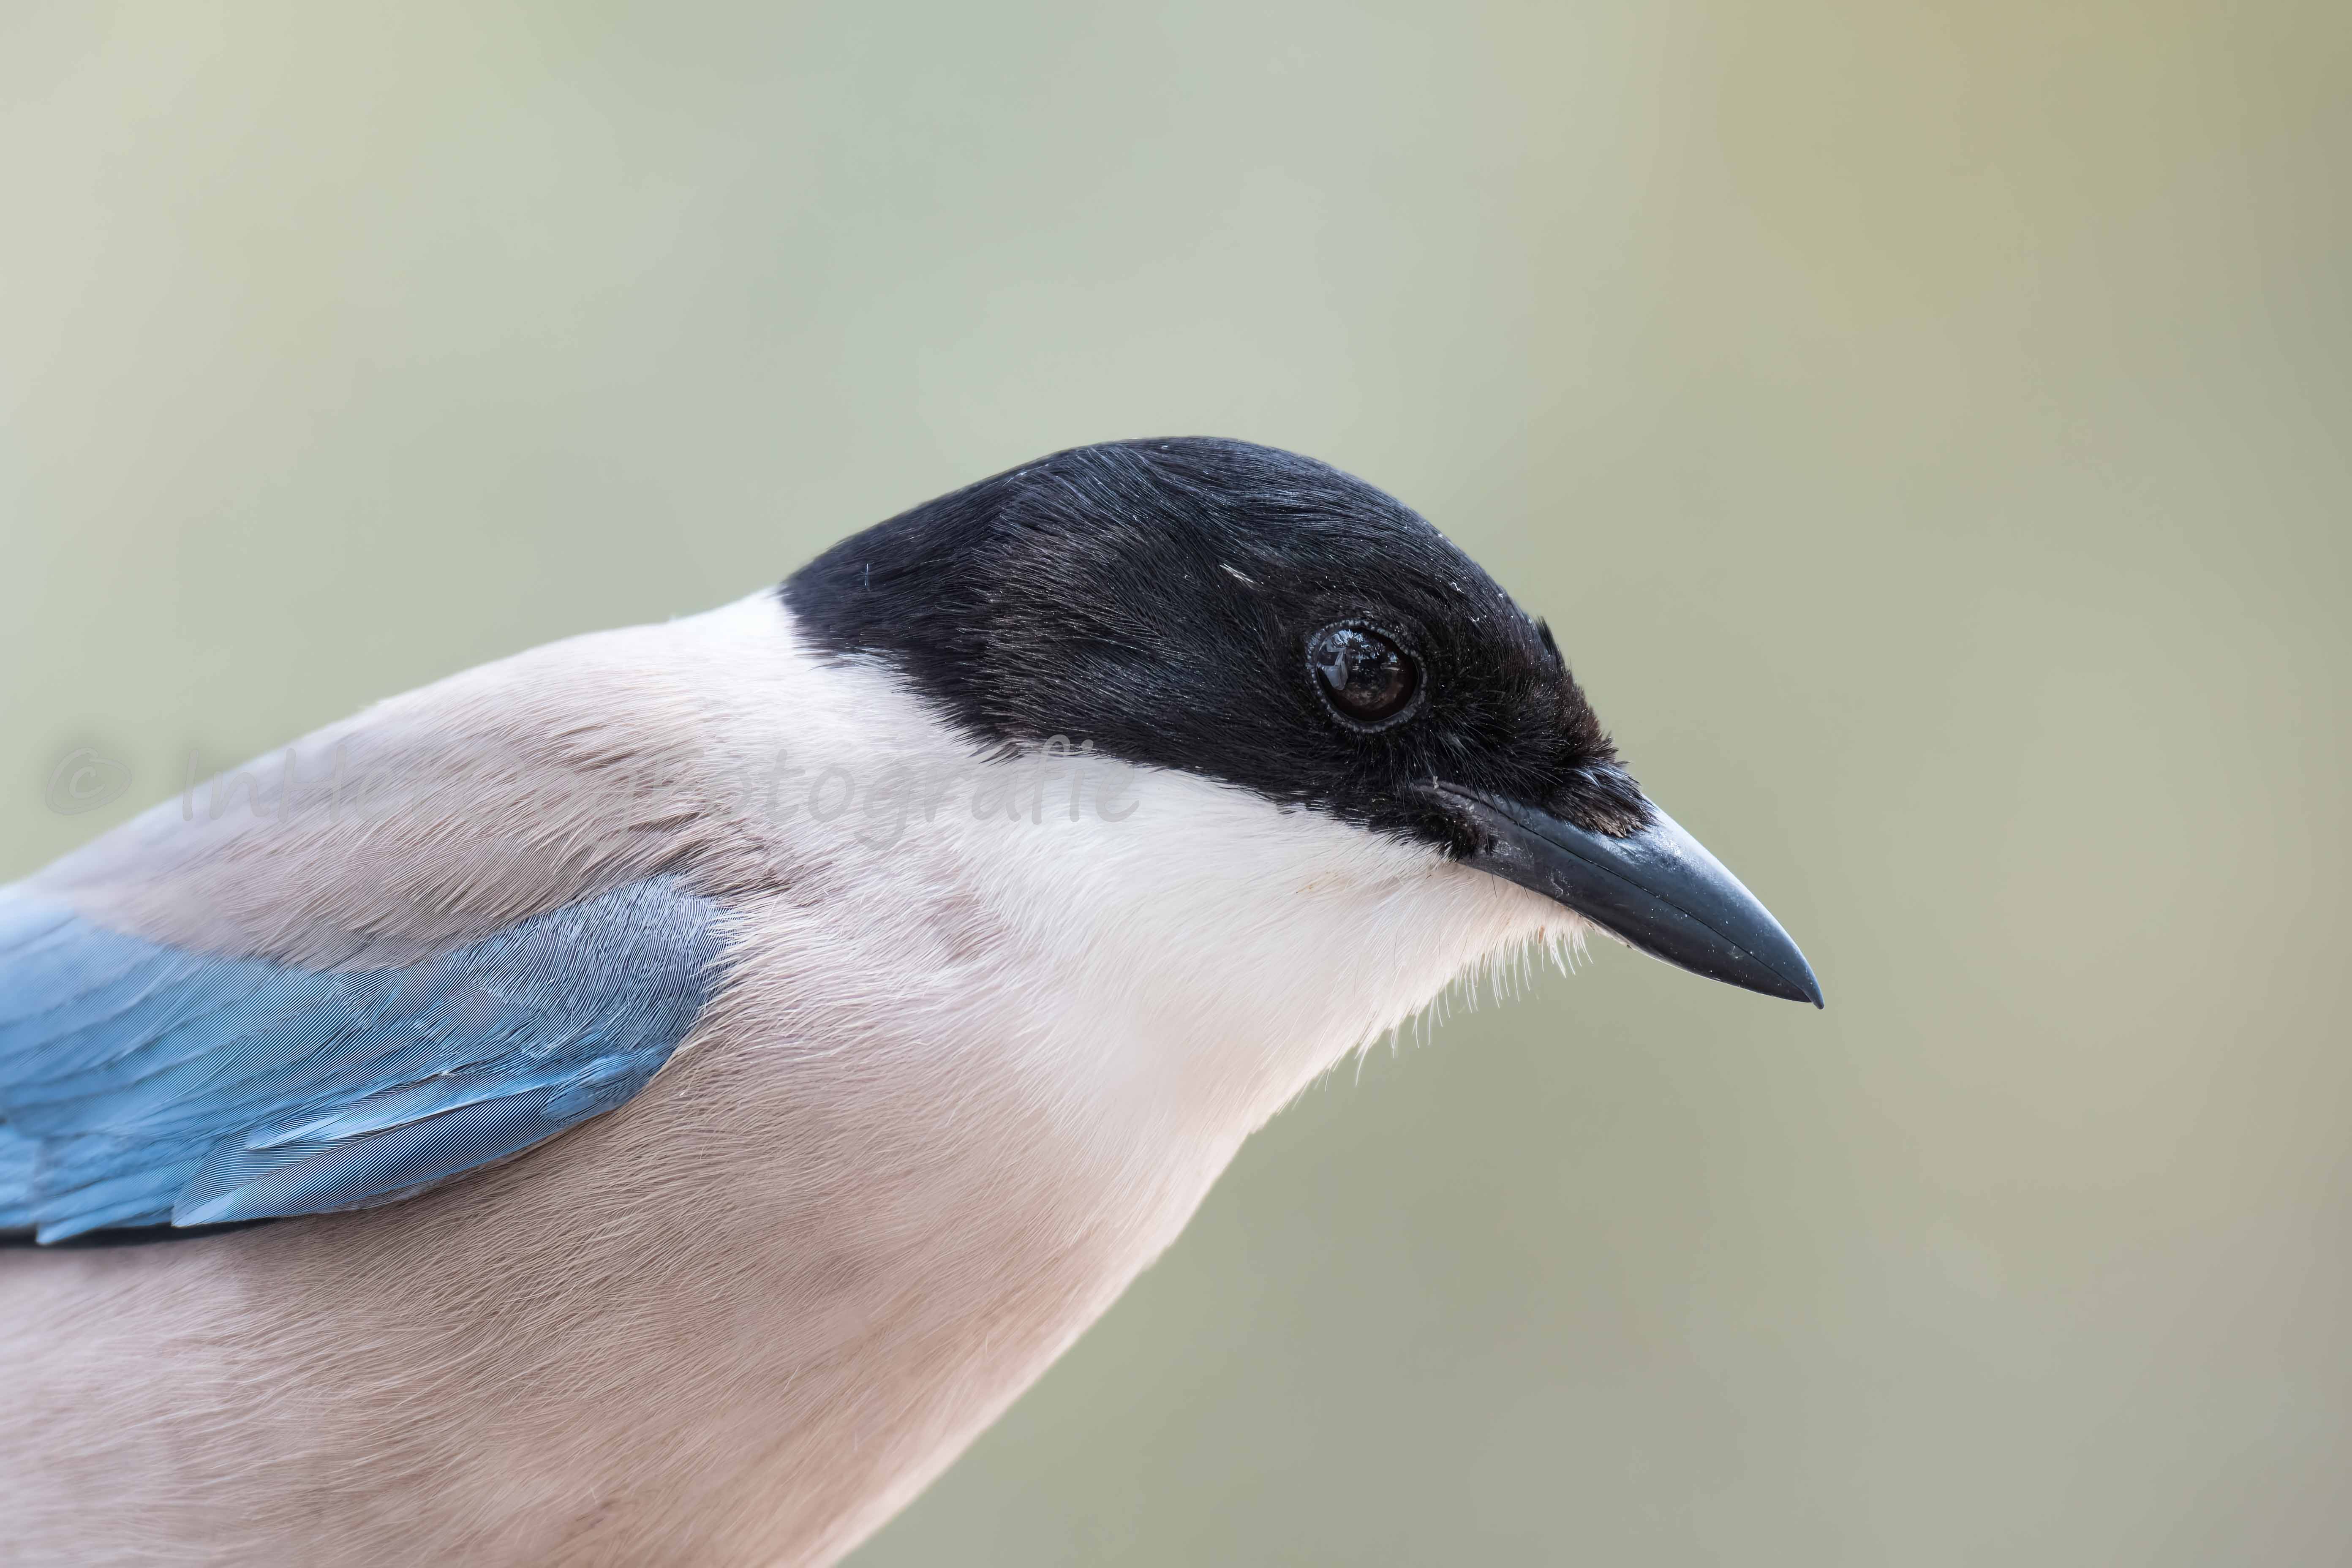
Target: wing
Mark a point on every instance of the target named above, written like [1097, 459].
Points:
[143, 1084]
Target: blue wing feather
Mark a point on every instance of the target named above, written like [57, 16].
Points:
[144, 1085]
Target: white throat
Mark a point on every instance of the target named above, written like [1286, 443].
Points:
[1160, 951]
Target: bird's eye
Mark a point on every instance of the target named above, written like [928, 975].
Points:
[1368, 678]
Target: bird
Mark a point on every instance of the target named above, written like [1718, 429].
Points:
[656, 1098]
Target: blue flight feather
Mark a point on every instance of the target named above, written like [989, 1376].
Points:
[144, 1085]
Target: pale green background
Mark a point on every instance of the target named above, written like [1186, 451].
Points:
[1927, 427]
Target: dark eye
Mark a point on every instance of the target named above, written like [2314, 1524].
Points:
[1368, 678]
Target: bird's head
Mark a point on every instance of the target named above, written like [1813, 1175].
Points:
[1265, 621]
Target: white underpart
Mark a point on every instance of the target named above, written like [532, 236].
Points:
[973, 1071]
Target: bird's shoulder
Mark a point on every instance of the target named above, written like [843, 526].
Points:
[409, 943]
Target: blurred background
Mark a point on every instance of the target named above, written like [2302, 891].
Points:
[1924, 424]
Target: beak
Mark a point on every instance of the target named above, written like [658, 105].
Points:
[1658, 891]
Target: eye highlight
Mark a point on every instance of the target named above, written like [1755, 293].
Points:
[1366, 676]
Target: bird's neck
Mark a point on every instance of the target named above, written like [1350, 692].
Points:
[1149, 953]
